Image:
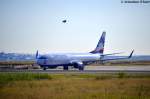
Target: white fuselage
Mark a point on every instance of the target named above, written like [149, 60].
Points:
[65, 59]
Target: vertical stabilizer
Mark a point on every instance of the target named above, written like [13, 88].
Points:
[100, 46]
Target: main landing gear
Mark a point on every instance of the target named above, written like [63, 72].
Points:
[65, 67]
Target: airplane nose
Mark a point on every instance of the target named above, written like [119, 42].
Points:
[38, 61]
[41, 60]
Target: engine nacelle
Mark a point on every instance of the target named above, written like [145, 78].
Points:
[78, 65]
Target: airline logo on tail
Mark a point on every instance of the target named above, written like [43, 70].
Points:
[100, 46]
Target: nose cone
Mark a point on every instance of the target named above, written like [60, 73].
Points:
[38, 61]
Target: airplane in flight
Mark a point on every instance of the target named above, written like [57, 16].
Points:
[77, 60]
[64, 21]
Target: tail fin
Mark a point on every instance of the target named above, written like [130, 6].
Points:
[100, 46]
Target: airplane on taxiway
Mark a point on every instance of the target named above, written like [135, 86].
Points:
[77, 60]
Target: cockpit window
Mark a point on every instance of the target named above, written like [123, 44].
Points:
[42, 57]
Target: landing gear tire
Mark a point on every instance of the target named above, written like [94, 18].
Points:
[81, 68]
[65, 67]
[44, 68]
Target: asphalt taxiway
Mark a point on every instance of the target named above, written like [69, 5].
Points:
[88, 70]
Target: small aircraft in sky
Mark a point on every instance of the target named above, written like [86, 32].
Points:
[76, 60]
[64, 21]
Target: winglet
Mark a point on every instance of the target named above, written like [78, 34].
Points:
[131, 54]
[36, 56]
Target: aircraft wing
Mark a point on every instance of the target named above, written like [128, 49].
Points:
[120, 58]
[111, 54]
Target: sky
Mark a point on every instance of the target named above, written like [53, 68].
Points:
[30, 25]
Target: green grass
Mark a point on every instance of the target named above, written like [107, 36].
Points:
[74, 86]
[9, 77]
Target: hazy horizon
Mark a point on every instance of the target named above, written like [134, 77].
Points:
[30, 25]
